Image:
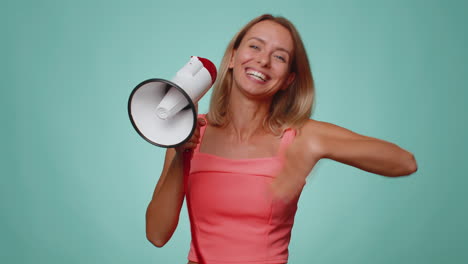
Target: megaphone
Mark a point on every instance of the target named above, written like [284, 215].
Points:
[163, 112]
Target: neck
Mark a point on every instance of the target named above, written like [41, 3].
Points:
[246, 116]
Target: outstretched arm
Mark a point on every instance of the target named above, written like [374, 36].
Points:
[317, 140]
[366, 153]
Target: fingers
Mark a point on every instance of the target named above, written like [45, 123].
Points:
[196, 135]
[195, 139]
[201, 122]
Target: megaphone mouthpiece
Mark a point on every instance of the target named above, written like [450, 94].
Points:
[171, 104]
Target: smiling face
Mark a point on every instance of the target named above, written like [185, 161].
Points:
[261, 64]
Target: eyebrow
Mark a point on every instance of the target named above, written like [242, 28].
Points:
[263, 41]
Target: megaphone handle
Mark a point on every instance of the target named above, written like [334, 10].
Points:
[187, 157]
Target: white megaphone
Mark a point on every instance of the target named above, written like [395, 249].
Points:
[163, 112]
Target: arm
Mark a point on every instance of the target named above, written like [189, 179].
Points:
[162, 214]
[317, 140]
[366, 153]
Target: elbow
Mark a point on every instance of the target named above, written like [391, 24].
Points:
[155, 237]
[157, 242]
[407, 167]
[410, 164]
[158, 232]
[413, 167]
[154, 233]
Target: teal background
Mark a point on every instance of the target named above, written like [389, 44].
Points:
[76, 178]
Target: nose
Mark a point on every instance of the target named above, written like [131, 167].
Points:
[263, 59]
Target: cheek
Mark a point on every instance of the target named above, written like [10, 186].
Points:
[244, 56]
[282, 72]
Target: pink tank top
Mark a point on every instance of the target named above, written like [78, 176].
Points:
[234, 216]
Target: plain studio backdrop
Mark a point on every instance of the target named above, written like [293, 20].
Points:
[76, 178]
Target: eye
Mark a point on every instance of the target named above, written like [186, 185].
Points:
[281, 58]
[254, 46]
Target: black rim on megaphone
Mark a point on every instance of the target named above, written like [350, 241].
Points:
[169, 84]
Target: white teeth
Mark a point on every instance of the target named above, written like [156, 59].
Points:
[257, 74]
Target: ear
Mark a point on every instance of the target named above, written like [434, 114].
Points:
[231, 61]
[290, 80]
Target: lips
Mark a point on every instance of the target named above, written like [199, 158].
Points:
[257, 75]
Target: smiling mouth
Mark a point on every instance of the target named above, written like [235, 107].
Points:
[257, 75]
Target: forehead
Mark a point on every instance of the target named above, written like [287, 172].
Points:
[271, 33]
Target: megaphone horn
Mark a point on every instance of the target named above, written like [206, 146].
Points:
[163, 112]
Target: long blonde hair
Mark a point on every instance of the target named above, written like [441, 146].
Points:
[291, 107]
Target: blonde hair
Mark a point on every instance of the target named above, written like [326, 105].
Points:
[291, 107]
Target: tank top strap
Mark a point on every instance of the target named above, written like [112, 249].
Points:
[288, 137]
[202, 131]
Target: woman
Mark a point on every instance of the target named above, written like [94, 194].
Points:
[252, 152]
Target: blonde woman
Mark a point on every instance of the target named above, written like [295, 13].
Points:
[251, 153]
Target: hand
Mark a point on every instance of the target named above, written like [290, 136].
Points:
[194, 140]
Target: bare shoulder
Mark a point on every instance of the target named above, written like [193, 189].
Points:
[314, 137]
[306, 149]
[309, 138]
[313, 129]
[323, 130]
[312, 126]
